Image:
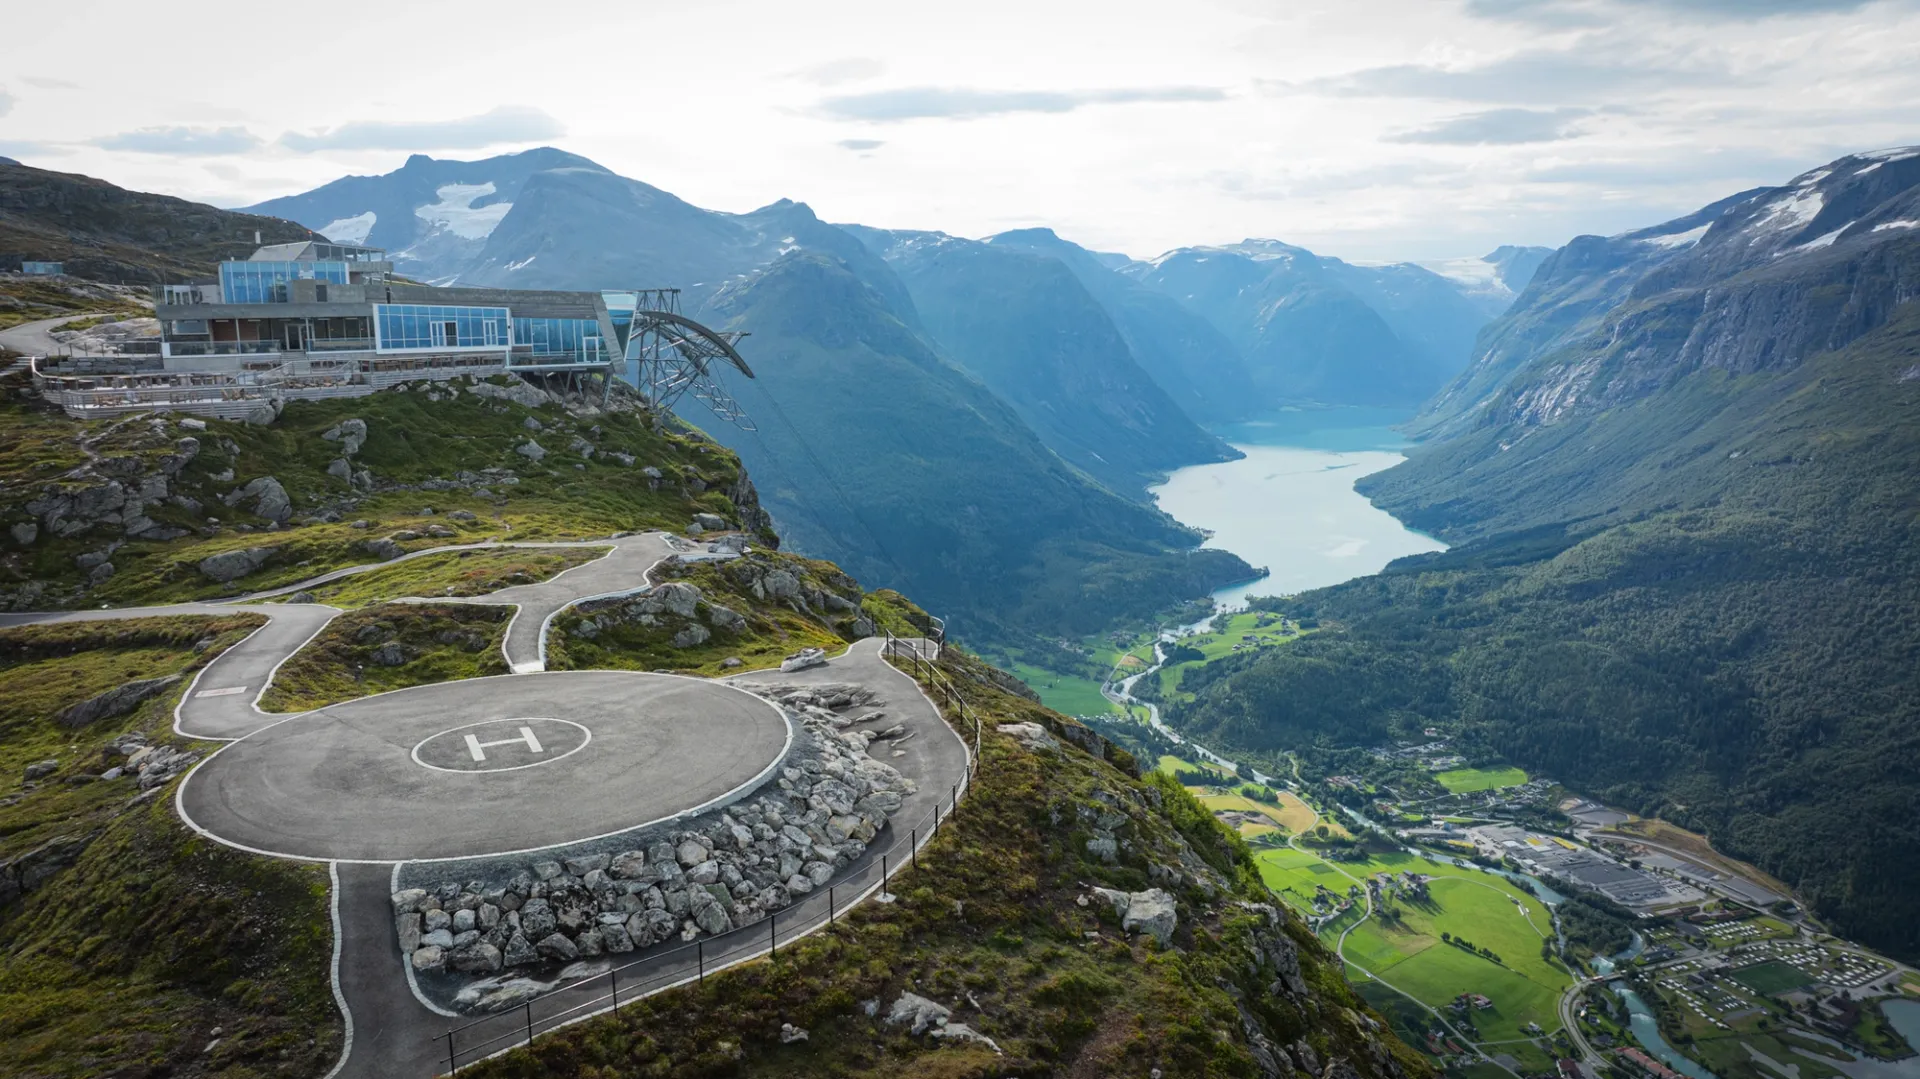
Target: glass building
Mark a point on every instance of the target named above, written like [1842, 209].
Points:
[266, 282]
[576, 339]
[400, 326]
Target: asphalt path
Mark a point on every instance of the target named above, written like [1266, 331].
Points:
[33, 338]
[369, 784]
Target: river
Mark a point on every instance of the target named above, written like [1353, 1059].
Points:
[1290, 506]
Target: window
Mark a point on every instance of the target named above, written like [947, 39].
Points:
[561, 340]
[400, 327]
[320, 293]
[266, 282]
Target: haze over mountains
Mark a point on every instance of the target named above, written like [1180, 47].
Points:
[1096, 370]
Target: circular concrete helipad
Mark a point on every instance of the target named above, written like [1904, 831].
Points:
[485, 766]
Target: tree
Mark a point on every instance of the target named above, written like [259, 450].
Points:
[1448, 937]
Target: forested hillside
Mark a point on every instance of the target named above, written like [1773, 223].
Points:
[925, 481]
[1688, 578]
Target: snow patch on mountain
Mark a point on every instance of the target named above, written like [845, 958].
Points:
[349, 230]
[456, 213]
[1794, 210]
[1679, 239]
[1902, 224]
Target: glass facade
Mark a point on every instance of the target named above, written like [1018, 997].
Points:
[400, 326]
[576, 338]
[266, 282]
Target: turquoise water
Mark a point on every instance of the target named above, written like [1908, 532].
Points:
[1290, 506]
[1647, 1033]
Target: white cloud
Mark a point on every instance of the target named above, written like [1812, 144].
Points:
[46, 83]
[1371, 129]
[186, 141]
[968, 103]
[503, 125]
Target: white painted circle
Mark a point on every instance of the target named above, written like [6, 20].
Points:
[586, 736]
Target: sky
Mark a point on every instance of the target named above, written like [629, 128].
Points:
[1370, 130]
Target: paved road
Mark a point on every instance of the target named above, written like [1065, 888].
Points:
[32, 338]
[392, 777]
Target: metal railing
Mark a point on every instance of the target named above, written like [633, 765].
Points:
[691, 963]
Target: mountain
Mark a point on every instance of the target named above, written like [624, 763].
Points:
[107, 233]
[431, 215]
[915, 475]
[1192, 361]
[874, 449]
[1319, 330]
[1492, 281]
[1025, 325]
[1680, 482]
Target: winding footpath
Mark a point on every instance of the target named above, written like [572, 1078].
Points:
[370, 785]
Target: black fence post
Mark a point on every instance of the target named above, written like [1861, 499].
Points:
[453, 1062]
[773, 935]
[883, 873]
[529, 1023]
[829, 906]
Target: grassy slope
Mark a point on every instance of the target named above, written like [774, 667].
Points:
[441, 642]
[410, 439]
[992, 914]
[124, 963]
[1471, 780]
[454, 574]
[1730, 647]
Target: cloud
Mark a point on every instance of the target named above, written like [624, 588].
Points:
[1597, 12]
[46, 83]
[1532, 76]
[834, 72]
[508, 123]
[21, 148]
[195, 141]
[1499, 127]
[861, 144]
[959, 103]
[6, 102]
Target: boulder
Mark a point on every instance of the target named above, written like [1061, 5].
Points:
[1031, 735]
[1150, 912]
[351, 434]
[430, 958]
[340, 469]
[580, 867]
[961, 1032]
[39, 769]
[691, 853]
[917, 1013]
[803, 659]
[233, 565]
[532, 451]
[519, 952]
[726, 618]
[407, 926]
[389, 654]
[301, 597]
[1116, 899]
[710, 522]
[556, 946]
[628, 865]
[692, 636]
[478, 957]
[269, 499]
[25, 533]
[114, 702]
[385, 549]
[790, 1034]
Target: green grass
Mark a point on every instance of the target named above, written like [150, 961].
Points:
[123, 963]
[773, 630]
[1771, 977]
[988, 922]
[441, 642]
[1219, 645]
[1473, 780]
[454, 574]
[410, 440]
[1066, 693]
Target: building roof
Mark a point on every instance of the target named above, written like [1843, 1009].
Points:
[316, 250]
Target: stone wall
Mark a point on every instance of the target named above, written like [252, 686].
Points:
[662, 886]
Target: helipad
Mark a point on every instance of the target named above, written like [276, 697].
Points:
[486, 766]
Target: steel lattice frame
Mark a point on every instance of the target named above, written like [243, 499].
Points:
[674, 355]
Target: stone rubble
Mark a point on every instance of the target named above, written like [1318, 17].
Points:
[703, 877]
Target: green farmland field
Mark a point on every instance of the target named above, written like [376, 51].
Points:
[1471, 780]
